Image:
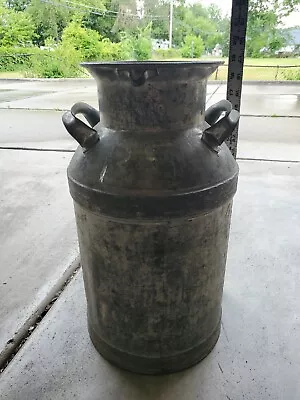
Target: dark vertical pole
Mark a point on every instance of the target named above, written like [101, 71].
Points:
[239, 15]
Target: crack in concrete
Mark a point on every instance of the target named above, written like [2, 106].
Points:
[73, 151]
[14, 344]
[267, 160]
[32, 109]
[214, 92]
[210, 96]
[36, 149]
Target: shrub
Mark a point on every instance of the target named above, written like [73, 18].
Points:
[60, 63]
[113, 51]
[90, 46]
[64, 61]
[138, 45]
[193, 46]
[291, 74]
[142, 48]
[127, 48]
[85, 41]
[164, 54]
[17, 58]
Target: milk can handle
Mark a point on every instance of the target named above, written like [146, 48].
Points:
[220, 129]
[84, 134]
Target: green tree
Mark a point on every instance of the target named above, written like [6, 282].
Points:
[103, 23]
[90, 46]
[202, 26]
[84, 40]
[16, 28]
[127, 19]
[193, 47]
[262, 33]
[51, 17]
[222, 24]
[157, 12]
[180, 27]
[200, 21]
[264, 22]
[142, 43]
[17, 5]
[50, 20]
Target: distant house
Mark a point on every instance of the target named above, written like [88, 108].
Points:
[217, 51]
[160, 44]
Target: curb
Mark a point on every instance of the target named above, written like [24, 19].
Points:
[255, 83]
[46, 79]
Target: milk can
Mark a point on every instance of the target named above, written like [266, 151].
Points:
[152, 183]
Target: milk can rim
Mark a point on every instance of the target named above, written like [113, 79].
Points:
[156, 64]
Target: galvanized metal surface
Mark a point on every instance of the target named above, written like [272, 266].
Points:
[152, 200]
[154, 290]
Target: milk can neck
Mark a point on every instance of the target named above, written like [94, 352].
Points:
[156, 105]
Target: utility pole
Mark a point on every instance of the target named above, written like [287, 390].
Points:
[171, 24]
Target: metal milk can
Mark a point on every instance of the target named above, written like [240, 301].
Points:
[152, 183]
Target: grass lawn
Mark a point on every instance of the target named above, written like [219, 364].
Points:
[262, 69]
[259, 69]
[257, 73]
[11, 75]
[272, 61]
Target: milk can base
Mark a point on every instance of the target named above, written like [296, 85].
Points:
[154, 366]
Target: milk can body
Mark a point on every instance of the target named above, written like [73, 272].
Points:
[152, 184]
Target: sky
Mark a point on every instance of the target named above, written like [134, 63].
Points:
[292, 20]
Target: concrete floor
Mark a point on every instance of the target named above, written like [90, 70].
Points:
[37, 233]
[257, 356]
[31, 116]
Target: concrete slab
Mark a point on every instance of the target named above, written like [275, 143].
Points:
[260, 99]
[269, 138]
[53, 101]
[270, 129]
[10, 94]
[34, 129]
[271, 87]
[265, 104]
[258, 354]
[259, 138]
[58, 85]
[37, 233]
[259, 88]
[59, 101]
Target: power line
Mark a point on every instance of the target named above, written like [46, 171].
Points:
[86, 6]
[73, 8]
[100, 12]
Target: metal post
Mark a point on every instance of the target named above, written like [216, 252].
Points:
[239, 15]
[171, 24]
[277, 70]
[216, 75]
